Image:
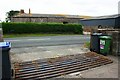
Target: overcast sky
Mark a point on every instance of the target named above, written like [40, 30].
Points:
[73, 7]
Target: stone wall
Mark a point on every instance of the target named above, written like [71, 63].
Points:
[45, 19]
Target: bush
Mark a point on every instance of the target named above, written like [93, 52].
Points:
[19, 28]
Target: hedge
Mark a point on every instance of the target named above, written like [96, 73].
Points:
[19, 28]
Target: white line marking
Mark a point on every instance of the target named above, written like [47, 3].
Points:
[40, 47]
[77, 73]
[27, 39]
[38, 39]
[35, 39]
[12, 40]
[48, 51]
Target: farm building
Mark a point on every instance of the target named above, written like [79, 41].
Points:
[58, 18]
[46, 18]
[111, 21]
[107, 25]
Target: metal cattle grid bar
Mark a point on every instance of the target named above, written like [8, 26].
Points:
[54, 67]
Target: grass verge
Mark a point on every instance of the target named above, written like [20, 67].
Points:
[32, 35]
[87, 44]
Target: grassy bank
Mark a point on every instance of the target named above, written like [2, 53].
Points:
[32, 35]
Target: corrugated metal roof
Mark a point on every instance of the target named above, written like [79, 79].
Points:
[104, 17]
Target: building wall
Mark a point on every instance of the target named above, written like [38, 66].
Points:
[91, 25]
[97, 22]
[46, 19]
[117, 23]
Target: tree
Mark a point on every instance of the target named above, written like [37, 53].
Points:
[11, 14]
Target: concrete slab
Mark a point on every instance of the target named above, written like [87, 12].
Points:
[34, 53]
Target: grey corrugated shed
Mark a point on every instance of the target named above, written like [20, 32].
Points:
[110, 20]
[104, 17]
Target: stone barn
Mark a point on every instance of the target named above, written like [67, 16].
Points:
[57, 18]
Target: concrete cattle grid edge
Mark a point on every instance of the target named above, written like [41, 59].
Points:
[54, 67]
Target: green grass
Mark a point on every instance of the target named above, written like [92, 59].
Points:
[32, 35]
[87, 44]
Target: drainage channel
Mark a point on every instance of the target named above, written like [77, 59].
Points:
[54, 67]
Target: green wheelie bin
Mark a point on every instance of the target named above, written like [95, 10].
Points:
[105, 44]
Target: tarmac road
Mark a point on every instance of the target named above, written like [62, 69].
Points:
[47, 40]
[33, 48]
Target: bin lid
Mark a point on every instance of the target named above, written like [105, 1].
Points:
[97, 34]
[105, 37]
[5, 45]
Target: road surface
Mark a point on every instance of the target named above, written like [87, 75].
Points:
[34, 48]
[47, 40]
